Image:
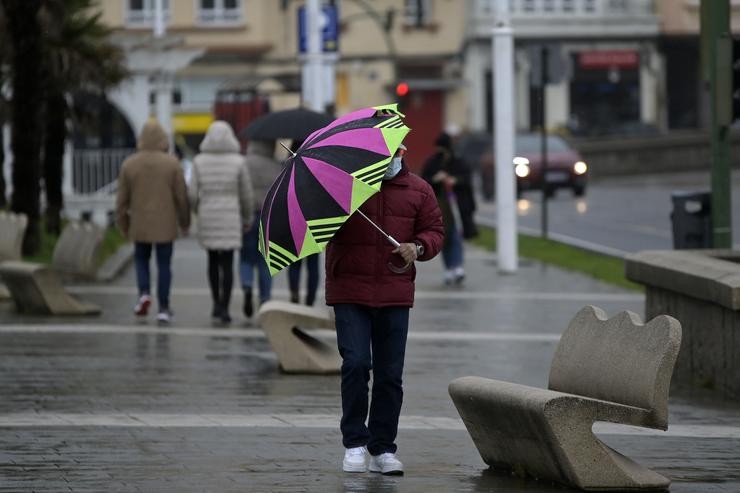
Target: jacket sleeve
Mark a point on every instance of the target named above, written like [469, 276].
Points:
[246, 195]
[180, 194]
[123, 202]
[194, 189]
[428, 227]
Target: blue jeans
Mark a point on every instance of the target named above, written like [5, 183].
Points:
[452, 249]
[371, 338]
[251, 258]
[294, 277]
[142, 254]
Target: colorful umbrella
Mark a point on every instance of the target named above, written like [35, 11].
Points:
[328, 178]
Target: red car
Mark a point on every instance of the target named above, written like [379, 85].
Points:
[565, 167]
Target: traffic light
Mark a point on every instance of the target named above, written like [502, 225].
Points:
[736, 79]
[402, 89]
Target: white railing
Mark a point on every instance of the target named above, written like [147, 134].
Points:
[569, 7]
[95, 171]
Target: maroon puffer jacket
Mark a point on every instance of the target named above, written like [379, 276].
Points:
[357, 256]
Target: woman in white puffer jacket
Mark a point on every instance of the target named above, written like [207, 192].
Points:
[221, 195]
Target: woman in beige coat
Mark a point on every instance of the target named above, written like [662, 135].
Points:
[150, 205]
[221, 195]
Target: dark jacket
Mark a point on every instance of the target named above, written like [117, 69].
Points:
[357, 256]
[445, 160]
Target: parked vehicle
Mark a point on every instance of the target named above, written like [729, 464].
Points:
[565, 167]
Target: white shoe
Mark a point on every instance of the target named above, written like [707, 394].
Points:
[355, 460]
[164, 317]
[386, 463]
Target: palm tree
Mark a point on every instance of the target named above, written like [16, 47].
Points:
[26, 44]
[79, 56]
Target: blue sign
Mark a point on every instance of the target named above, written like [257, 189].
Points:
[329, 32]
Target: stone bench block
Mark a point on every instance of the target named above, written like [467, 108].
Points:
[36, 289]
[289, 328]
[616, 370]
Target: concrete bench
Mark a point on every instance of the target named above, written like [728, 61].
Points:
[12, 230]
[37, 288]
[616, 370]
[288, 327]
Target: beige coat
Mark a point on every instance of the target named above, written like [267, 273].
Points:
[220, 190]
[152, 197]
[263, 168]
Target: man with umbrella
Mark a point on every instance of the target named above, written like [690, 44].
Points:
[371, 304]
[342, 190]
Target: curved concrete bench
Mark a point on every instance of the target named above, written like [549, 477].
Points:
[12, 230]
[37, 288]
[288, 328]
[616, 370]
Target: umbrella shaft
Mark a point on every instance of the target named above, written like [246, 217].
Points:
[388, 237]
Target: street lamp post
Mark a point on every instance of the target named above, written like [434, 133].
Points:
[503, 107]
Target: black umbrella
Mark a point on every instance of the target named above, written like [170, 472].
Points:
[295, 124]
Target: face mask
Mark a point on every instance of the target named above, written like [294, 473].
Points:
[393, 169]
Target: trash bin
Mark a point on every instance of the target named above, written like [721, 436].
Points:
[692, 220]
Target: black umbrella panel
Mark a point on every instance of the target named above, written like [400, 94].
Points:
[294, 124]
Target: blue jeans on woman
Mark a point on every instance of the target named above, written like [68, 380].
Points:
[371, 338]
[294, 278]
[142, 254]
[452, 249]
[251, 258]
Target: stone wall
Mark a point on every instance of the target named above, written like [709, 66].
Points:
[679, 151]
[701, 289]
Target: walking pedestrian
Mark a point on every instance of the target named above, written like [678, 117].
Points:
[451, 181]
[371, 305]
[221, 196]
[264, 170]
[150, 204]
[312, 267]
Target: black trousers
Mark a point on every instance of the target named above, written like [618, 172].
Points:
[221, 276]
[371, 338]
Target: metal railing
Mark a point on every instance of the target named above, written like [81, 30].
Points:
[569, 7]
[95, 171]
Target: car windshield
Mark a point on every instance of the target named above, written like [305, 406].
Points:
[533, 143]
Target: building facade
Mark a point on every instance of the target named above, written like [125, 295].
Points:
[605, 68]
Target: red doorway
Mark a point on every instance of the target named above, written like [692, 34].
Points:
[423, 110]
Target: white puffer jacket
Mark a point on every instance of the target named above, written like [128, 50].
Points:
[220, 190]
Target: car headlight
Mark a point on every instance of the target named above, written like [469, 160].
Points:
[580, 168]
[521, 167]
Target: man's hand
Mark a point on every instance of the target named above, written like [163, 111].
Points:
[407, 251]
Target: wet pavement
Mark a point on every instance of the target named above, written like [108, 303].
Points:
[109, 404]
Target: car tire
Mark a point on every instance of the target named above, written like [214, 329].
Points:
[579, 190]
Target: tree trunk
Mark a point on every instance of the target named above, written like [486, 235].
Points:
[3, 199]
[25, 35]
[54, 138]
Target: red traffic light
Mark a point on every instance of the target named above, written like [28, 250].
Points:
[402, 89]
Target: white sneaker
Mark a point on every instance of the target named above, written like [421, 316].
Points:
[386, 463]
[164, 317]
[142, 306]
[355, 460]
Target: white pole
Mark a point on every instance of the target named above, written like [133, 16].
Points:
[159, 27]
[503, 107]
[313, 94]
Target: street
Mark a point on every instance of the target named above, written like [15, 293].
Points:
[618, 215]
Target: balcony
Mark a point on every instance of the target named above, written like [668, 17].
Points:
[569, 18]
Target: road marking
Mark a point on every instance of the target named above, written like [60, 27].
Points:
[444, 336]
[321, 421]
[420, 294]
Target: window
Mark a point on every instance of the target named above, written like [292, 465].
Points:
[141, 12]
[219, 11]
[417, 13]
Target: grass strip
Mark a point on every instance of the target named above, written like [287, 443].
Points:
[598, 266]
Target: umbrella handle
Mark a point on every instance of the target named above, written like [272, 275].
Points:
[399, 270]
